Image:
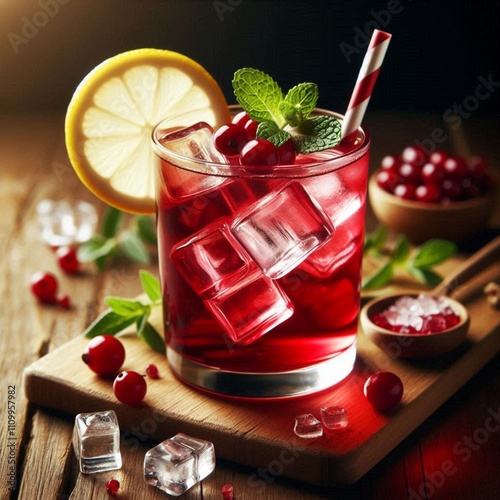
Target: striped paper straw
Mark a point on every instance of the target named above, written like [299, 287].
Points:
[366, 81]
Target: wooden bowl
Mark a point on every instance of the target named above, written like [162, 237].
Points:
[413, 345]
[421, 221]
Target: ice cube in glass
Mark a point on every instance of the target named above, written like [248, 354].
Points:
[283, 229]
[96, 442]
[211, 260]
[188, 168]
[178, 463]
[250, 308]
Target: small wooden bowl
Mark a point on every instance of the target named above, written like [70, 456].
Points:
[413, 345]
[421, 221]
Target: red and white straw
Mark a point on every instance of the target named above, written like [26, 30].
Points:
[366, 81]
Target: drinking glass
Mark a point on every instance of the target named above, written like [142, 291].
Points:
[260, 267]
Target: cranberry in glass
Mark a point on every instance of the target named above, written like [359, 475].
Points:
[240, 119]
[230, 139]
[287, 153]
[259, 152]
[251, 129]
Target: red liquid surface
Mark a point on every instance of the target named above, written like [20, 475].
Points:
[323, 289]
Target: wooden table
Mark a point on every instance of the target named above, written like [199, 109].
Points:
[454, 454]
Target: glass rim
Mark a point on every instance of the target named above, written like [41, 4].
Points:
[315, 167]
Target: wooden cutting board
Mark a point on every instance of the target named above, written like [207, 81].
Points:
[260, 434]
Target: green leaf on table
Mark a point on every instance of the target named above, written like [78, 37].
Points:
[146, 228]
[433, 252]
[401, 250]
[108, 323]
[424, 275]
[150, 285]
[376, 239]
[380, 277]
[111, 222]
[259, 95]
[126, 307]
[133, 247]
[317, 134]
[97, 247]
[147, 332]
[270, 131]
[299, 102]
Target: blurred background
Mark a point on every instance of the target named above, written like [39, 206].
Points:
[439, 54]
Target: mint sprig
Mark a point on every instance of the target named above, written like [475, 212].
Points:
[282, 117]
[417, 264]
[124, 312]
[115, 240]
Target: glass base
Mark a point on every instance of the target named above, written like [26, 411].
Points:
[264, 385]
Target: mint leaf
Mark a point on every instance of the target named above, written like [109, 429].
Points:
[376, 239]
[147, 332]
[299, 103]
[270, 131]
[108, 323]
[259, 95]
[111, 222]
[317, 134]
[126, 307]
[150, 285]
[133, 247]
[424, 275]
[96, 247]
[146, 228]
[379, 278]
[433, 252]
[401, 250]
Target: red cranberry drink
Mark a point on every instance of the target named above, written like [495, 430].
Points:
[261, 245]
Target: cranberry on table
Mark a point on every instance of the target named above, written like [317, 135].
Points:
[64, 301]
[112, 487]
[130, 388]
[104, 355]
[230, 139]
[44, 287]
[259, 152]
[152, 371]
[68, 260]
[383, 390]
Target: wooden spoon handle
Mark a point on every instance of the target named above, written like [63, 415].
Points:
[470, 267]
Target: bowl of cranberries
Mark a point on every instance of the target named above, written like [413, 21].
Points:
[432, 196]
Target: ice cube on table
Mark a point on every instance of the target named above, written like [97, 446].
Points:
[211, 260]
[281, 230]
[178, 463]
[96, 442]
[334, 417]
[250, 308]
[307, 426]
[62, 223]
[194, 176]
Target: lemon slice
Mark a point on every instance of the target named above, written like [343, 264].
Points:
[114, 110]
